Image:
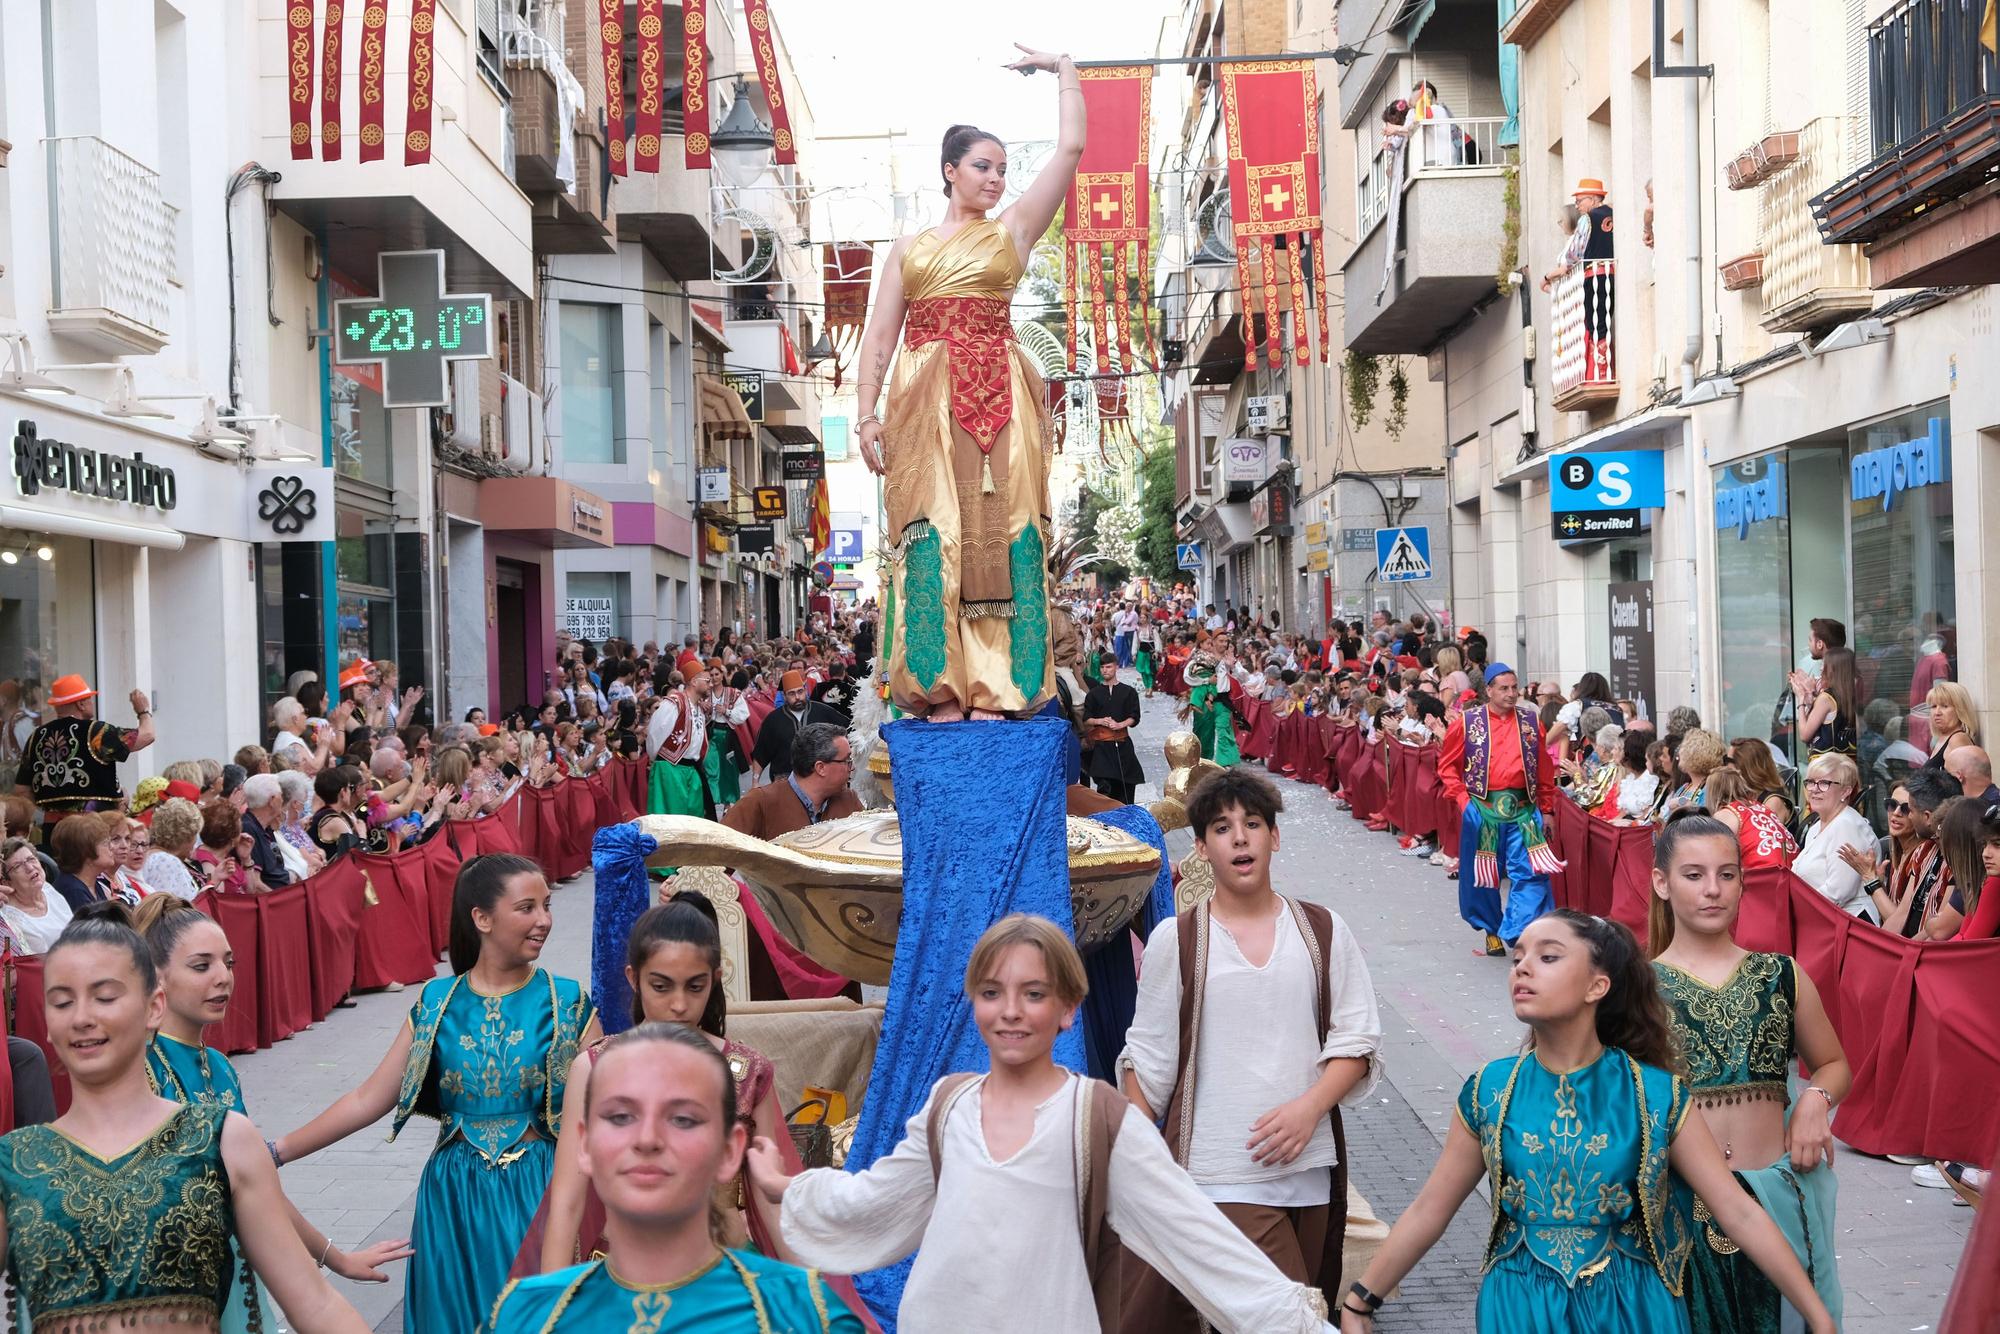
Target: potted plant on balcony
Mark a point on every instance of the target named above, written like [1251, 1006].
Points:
[1775, 152]
[1743, 271]
[1741, 171]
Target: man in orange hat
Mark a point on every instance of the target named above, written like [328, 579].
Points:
[773, 751]
[1590, 246]
[72, 759]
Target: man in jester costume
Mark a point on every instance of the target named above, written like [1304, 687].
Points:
[1493, 765]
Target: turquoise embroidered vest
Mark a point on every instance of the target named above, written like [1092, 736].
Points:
[492, 1069]
[1578, 1163]
[199, 1075]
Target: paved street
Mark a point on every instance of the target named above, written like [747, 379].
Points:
[1444, 1013]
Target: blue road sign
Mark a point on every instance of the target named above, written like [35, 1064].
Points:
[843, 544]
[1188, 555]
[1402, 554]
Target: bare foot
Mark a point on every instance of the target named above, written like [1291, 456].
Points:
[988, 715]
[945, 713]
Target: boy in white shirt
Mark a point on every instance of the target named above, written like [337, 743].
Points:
[1279, 1029]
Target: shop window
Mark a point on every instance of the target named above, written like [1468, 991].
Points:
[1904, 626]
[593, 411]
[47, 628]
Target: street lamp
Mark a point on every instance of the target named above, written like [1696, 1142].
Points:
[739, 147]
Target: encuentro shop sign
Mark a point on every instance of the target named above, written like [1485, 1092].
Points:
[57, 465]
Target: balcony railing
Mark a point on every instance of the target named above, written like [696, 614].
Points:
[1925, 64]
[1806, 281]
[114, 247]
[1434, 147]
[1582, 329]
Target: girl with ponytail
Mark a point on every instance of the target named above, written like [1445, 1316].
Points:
[673, 963]
[1739, 1020]
[1591, 1124]
[486, 1052]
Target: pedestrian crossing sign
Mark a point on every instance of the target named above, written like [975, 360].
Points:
[1402, 554]
[1187, 555]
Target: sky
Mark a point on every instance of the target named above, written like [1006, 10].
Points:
[920, 66]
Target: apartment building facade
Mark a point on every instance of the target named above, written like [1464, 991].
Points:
[1284, 473]
[1770, 306]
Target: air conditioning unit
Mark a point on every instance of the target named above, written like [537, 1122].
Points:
[492, 435]
[467, 430]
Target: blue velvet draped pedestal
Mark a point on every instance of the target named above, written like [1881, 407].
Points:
[618, 868]
[981, 808]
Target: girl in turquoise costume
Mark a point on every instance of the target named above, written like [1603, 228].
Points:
[660, 1136]
[1580, 1137]
[486, 1052]
[197, 972]
[1740, 1019]
[129, 1209]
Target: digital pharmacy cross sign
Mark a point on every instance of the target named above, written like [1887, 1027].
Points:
[413, 329]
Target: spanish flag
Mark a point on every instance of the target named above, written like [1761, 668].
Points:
[821, 512]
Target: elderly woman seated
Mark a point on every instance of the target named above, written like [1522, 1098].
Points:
[1831, 783]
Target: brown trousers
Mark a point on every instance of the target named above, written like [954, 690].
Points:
[1294, 1239]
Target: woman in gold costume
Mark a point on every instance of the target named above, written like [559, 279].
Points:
[965, 441]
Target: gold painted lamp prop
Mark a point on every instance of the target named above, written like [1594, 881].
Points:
[835, 889]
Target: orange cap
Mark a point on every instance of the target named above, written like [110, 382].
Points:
[793, 680]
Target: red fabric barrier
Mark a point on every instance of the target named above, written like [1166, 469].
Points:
[1600, 858]
[443, 855]
[6, 1095]
[31, 1020]
[541, 823]
[1631, 874]
[1172, 678]
[1329, 749]
[1366, 791]
[1764, 922]
[284, 965]
[604, 786]
[501, 831]
[579, 812]
[1396, 789]
[1253, 738]
[236, 914]
[333, 922]
[394, 944]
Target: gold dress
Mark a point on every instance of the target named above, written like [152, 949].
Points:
[966, 443]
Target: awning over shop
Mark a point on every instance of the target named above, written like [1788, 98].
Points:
[722, 414]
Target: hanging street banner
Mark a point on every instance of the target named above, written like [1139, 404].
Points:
[694, 92]
[1271, 111]
[757, 14]
[1107, 216]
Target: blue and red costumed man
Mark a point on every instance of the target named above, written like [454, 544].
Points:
[1493, 764]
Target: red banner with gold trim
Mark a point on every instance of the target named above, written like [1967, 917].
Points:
[611, 38]
[694, 90]
[652, 86]
[1108, 213]
[758, 15]
[331, 52]
[417, 126]
[299, 73]
[1271, 111]
[374, 47]
[846, 269]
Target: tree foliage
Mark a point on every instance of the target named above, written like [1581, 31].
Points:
[1154, 545]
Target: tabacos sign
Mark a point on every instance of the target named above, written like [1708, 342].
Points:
[1893, 469]
[1740, 507]
[56, 465]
